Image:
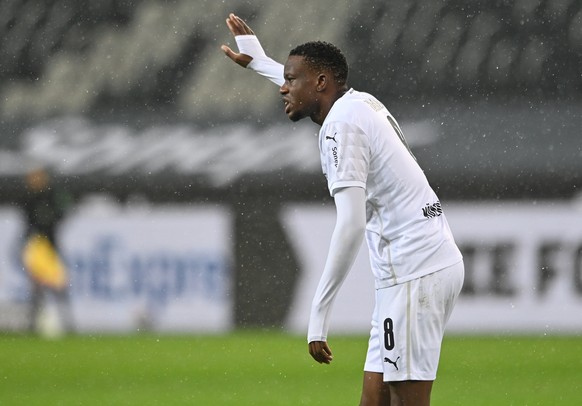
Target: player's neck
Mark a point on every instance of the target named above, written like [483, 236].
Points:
[326, 105]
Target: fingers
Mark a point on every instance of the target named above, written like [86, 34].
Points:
[229, 52]
[233, 26]
[241, 59]
[238, 26]
[320, 352]
[246, 28]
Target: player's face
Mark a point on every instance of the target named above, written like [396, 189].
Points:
[299, 91]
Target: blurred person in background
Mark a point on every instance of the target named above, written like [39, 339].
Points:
[381, 192]
[44, 207]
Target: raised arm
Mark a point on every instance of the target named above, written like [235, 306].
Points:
[251, 54]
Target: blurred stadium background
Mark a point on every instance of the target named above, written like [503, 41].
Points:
[199, 208]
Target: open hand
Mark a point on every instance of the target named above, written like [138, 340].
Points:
[237, 26]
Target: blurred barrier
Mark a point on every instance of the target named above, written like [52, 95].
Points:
[169, 268]
[523, 268]
[251, 172]
[161, 269]
[468, 152]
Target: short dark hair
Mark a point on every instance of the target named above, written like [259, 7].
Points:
[321, 55]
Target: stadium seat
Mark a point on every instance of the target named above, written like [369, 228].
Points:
[65, 56]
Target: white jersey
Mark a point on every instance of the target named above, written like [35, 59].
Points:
[407, 233]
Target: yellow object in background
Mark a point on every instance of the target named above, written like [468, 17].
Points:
[43, 263]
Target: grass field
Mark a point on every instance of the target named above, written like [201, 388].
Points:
[266, 368]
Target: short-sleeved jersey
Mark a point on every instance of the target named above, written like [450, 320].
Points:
[407, 233]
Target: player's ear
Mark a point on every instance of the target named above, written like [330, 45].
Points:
[322, 82]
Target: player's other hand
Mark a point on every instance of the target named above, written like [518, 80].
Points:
[320, 352]
[237, 26]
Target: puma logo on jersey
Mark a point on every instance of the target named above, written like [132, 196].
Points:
[386, 359]
[327, 137]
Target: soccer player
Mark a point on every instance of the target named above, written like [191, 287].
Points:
[381, 192]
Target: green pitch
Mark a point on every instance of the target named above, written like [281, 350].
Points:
[262, 368]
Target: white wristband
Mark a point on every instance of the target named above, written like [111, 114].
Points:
[250, 45]
[261, 63]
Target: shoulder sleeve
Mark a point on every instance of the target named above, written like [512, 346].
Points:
[345, 155]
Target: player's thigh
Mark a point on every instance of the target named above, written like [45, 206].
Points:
[411, 319]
